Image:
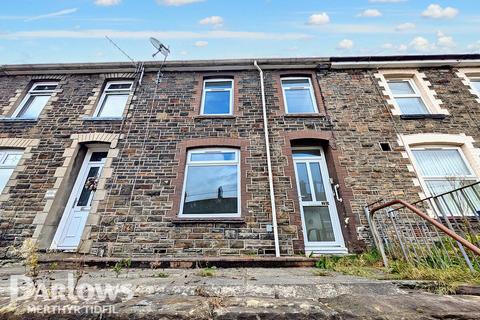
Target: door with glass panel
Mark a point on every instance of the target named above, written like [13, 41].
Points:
[321, 225]
[76, 212]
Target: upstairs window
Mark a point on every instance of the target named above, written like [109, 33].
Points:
[407, 96]
[35, 100]
[212, 184]
[475, 83]
[8, 161]
[298, 95]
[217, 97]
[114, 99]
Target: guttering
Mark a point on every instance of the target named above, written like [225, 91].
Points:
[269, 162]
[403, 64]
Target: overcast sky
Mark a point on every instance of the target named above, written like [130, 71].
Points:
[34, 31]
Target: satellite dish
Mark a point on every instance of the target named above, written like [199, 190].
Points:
[165, 51]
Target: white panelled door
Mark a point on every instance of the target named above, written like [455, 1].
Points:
[76, 212]
[321, 225]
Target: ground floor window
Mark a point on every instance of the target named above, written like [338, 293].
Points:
[8, 161]
[212, 183]
[443, 169]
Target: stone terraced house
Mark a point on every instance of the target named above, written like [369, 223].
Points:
[115, 160]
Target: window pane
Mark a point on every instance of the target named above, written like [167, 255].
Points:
[85, 195]
[211, 190]
[317, 182]
[217, 102]
[296, 83]
[98, 156]
[11, 159]
[33, 107]
[218, 85]
[4, 176]
[476, 85]
[465, 202]
[213, 156]
[119, 86]
[411, 105]
[299, 101]
[400, 87]
[318, 224]
[306, 153]
[440, 163]
[113, 105]
[305, 191]
[45, 87]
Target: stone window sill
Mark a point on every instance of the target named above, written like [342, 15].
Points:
[17, 120]
[304, 115]
[422, 116]
[212, 116]
[102, 118]
[208, 220]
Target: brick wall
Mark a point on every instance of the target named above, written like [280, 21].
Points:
[162, 121]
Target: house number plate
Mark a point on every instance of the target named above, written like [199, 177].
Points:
[324, 203]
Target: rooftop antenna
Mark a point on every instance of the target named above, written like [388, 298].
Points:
[164, 51]
[120, 49]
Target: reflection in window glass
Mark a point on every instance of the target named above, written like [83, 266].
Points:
[317, 182]
[114, 100]
[318, 224]
[211, 184]
[8, 161]
[407, 97]
[303, 182]
[84, 198]
[306, 153]
[34, 102]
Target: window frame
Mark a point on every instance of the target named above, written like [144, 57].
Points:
[106, 91]
[416, 90]
[189, 163]
[32, 92]
[423, 180]
[312, 94]
[204, 91]
[4, 153]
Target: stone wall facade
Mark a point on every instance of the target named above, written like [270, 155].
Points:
[136, 206]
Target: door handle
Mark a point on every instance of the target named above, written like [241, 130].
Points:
[337, 196]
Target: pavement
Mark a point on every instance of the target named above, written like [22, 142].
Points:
[232, 293]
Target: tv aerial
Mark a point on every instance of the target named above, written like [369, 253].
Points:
[161, 48]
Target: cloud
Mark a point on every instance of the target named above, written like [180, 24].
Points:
[435, 11]
[392, 47]
[318, 19]
[215, 21]
[405, 26]
[420, 44]
[444, 41]
[386, 1]
[345, 44]
[177, 3]
[107, 3]
[474, 47]
[201, 44]
[145, 34]
[53, 14]
[370, 13]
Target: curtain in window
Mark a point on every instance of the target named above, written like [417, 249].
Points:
[441, 163]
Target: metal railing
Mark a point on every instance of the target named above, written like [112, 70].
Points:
[439, 231]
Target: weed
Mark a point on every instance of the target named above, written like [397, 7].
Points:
[29, 253]
[207, 272]
[162, 274]
[118, 267]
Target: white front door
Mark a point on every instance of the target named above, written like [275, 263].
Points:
[76, 212]
[321, 225]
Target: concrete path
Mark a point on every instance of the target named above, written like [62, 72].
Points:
[249, 293]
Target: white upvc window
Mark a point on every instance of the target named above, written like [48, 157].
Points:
[407, 96]
[298, 95]
[114, 99]
[211, 185]
[443, 169]
[35, 100]
[217, 97]
[8, 161]
[475, 83]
